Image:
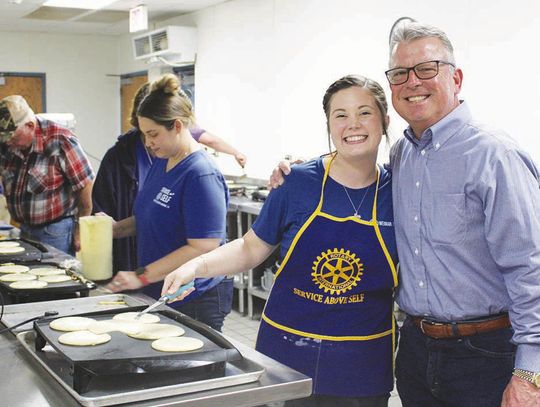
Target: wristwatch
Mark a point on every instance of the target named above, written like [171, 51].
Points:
[140, 272]
[531, 377]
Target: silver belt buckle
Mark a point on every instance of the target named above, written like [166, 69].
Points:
[422, 321]
[422, 326]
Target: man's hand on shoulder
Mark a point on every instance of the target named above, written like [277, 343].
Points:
[278, 174]
[520, 393]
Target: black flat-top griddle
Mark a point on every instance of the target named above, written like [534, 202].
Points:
[126, 358]
[52, 291]
[33, 251]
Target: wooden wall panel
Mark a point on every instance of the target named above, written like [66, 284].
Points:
[128, 90]
[29, 87]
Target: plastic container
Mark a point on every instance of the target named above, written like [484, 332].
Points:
[96, 247]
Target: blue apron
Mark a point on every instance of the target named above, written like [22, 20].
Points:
[330, 311]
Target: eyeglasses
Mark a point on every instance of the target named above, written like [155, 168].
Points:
[423, 70]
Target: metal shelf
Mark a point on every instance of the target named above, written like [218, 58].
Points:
[241, 283]
[258, 292]
[246, 211]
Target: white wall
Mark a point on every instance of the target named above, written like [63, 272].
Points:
[76, 68]
[263, 66]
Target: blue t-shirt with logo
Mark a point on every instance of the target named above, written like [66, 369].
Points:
[187, 202]
[289, 207]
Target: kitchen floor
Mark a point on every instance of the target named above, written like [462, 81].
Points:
[244, 329]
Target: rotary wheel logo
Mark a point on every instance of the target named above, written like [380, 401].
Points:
[337, 271]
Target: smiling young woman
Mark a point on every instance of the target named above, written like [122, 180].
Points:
[329, 313]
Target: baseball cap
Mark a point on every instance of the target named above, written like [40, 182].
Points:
[14, 111]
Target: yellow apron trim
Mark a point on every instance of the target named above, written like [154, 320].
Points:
[328, 337]
[308, 222]
[295, 240]
[387, 254]
[372, 222]
[348, 218]
[379, 235]
[393, 341]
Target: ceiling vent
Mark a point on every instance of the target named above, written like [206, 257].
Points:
[172, 42]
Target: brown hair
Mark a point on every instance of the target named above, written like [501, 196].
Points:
[167, 103]
[349, 81]
[139, 96]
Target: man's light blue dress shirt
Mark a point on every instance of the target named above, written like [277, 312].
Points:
[467, 221]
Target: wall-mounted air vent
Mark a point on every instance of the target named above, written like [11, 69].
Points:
[179, 42]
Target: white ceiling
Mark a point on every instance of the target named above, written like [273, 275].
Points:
[30, 15]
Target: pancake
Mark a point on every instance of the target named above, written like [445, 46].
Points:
[47, 271]
[157, 331]
[10, 250]
[130, 316]
[68, 324]
[83, 338]
[17, 277]
[115, 325]
[177, 344]
[55, 278]
[28, 285]
[9, 244]
[13, 269]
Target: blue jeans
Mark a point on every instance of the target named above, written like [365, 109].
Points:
[334, 401]
[58, 234]
[213, 306]
[471, 371]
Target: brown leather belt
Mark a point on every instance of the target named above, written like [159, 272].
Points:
[444, 330]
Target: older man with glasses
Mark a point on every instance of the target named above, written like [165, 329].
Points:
[467, 221]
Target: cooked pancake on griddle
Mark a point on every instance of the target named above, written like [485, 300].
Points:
[28, 285]
[157, 331]
[69, 324]
[130, 316]
[55, 278]
[17, 277]
[83, 338]
[177, 344]
[13, 269]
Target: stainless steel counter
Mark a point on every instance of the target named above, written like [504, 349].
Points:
[243, 204]
[26, 383]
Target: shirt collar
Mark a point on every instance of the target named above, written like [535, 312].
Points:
[37, 144]
[444, 129]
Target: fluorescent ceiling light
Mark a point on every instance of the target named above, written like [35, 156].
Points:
[84, 4]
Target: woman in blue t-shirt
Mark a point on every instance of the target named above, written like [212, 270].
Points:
[122, 172]
[180, 213]
[329, 313]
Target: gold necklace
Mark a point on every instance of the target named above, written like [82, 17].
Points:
[356, 209]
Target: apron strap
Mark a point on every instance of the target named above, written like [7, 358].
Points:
[325, 177]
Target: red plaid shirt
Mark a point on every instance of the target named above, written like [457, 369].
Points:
[40, 187]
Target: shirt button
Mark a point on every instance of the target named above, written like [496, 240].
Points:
[420, 283]
[416, 218]
[423, 152]
[417, 184]
[416, 251]
[437, 146]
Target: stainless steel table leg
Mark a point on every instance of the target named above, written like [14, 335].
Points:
[250, 275]
[241, 300]
[240, 233]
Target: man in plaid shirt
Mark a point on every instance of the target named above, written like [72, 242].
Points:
[47, 177]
